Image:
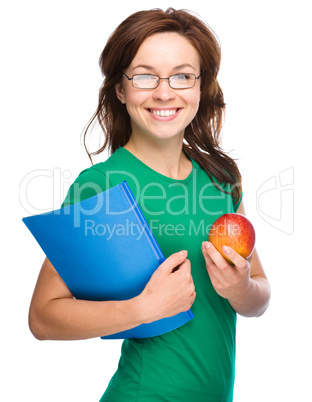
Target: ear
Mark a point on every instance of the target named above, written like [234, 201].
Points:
[120, 93]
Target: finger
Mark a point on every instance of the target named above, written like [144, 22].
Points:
[239, 261]
[221, 273]
[206, 254]
[192, 299]
[222, 269]
[215, 273]
[173, 262]
[183, 271]
[215, 257]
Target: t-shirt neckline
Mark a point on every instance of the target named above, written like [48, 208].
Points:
[150, 170]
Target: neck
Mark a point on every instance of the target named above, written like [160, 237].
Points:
[163, 157]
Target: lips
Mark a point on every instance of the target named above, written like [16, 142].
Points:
[163, 112]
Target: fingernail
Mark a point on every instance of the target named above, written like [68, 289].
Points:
[206, 244]
[226, 249]
[183, 253]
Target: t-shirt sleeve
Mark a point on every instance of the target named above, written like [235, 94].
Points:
[90, 182]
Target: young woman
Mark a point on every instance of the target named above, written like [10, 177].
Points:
[160, 108]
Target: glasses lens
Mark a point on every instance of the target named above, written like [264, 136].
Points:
[182, 81]
[145, 81]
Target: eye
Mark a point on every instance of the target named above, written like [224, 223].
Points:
[145, 81]
[145, 77]
[182, 77]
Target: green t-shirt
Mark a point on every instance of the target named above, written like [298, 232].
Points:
[195, 362]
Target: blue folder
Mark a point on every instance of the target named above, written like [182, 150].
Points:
[104, 249]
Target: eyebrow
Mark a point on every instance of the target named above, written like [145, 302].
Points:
[147, 67]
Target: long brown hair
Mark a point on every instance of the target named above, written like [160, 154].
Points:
[202, 136]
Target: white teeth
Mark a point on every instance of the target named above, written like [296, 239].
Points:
[164, 113]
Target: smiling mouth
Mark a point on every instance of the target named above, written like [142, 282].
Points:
[164, 113]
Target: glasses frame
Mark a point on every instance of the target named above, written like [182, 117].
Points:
[159, 78]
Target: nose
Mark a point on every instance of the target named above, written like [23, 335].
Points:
[164, 92]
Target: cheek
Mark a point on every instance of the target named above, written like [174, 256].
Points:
[134, 99]
[135, 102]
[198, 96]
[194, 102]
[193, 106]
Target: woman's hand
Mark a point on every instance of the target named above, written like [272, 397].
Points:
[231, 282]
[170, 290]
[244, 284]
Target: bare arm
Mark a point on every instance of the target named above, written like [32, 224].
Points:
[245, 284]
[55, 314]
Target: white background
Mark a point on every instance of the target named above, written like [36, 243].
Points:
[49, 87]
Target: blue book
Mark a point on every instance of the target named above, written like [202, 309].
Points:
[104, 249]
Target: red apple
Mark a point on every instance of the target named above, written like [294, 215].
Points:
[233, 230]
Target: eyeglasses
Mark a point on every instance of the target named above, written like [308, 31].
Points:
[151, 81]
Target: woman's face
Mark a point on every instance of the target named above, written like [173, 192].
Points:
[162, 54]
